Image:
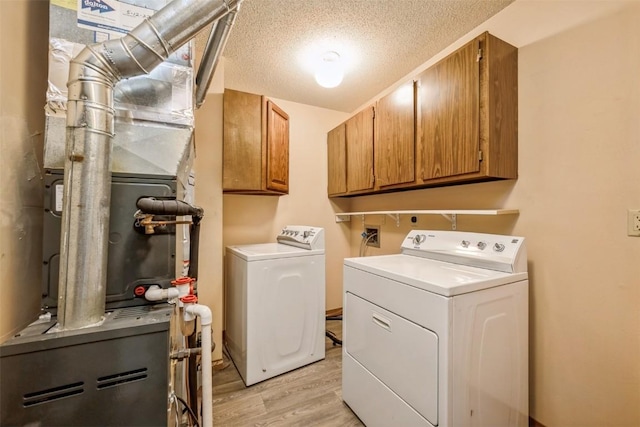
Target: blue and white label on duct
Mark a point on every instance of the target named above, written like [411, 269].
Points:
[112, 17]
[94, 5]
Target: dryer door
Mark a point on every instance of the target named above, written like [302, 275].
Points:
[400, 353]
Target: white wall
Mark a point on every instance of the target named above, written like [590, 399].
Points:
[579, 171]
[23, 82]
[208, 195]
[580, 164]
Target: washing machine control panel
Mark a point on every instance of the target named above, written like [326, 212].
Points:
[302, 236]
[492, 251]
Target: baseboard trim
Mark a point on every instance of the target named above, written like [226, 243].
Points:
[534, 423]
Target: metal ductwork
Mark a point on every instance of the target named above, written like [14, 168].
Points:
[212, 52]
[93, 74]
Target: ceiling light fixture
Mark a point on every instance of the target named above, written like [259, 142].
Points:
[330, 70]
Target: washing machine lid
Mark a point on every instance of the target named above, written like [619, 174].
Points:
[440, 277]
[265, 251]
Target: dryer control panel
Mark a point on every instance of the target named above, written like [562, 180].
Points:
[302, 236]
[490, 251]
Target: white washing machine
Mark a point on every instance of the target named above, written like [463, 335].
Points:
[275, 303]
[438, 334]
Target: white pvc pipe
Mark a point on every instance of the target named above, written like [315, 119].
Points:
[156, 293]
[204, 313]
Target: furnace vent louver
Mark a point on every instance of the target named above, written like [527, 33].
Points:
[132, 313]
[52, 394]
[122, 378]
[93, 377]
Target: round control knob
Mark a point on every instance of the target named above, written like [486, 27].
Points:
[482, 245]
[305, 234]
[498, 247]
[418, 238]
[465, 243]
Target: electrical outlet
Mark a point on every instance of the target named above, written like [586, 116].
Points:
[372, 235]
[633, 222]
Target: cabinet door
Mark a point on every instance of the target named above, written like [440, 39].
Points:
[448, 118]
[277, 158]
[337, 161]
[242, 129]
[498, 107]
[359, 131]
[395, 141]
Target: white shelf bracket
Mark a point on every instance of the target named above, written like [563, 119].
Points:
[449, 215]
[453, 219]
[343, 218]
[396, 217]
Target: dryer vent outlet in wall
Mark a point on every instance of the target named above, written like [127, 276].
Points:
[372, 235]
[633, 222]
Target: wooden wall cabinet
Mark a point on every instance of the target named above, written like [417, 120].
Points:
[255, 145]
[359, 138]
[467, 114]
[350, 155]
[337, 161]
[395, 145]
[458, 123]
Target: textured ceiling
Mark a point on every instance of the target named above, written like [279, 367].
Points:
[380, 41]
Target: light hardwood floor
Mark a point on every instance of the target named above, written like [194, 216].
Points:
[308, 396]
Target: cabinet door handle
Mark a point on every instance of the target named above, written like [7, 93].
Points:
[381, 321]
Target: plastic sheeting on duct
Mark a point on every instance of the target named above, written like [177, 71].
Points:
[153, 113]
[164, 96]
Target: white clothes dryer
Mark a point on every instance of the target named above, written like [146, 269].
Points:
[438, 334]
[275, 303]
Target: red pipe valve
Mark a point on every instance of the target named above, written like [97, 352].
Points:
[189, 299]
[184, 281]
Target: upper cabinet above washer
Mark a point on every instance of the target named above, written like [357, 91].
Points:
[455, 123]
[337, 161]
[395, 147]
[467, 115]
[255, 145]
[350, 155]
[360, 142]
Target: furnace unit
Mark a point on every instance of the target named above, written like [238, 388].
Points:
[116, 343]
[135, 260]
[115, 374]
